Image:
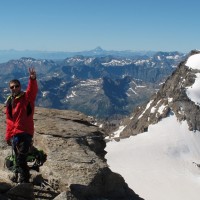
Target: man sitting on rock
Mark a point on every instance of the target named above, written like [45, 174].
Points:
[19, 122]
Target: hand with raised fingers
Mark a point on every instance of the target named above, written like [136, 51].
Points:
[32, 73]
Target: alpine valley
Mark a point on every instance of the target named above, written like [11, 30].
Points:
[99, 83]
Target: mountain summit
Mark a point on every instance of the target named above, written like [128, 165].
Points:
[98, 49]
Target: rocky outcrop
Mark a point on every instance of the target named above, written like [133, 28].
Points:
[75, 167]
[171, 98]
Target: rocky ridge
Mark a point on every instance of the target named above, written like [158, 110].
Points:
[75, 167]
[170, 99]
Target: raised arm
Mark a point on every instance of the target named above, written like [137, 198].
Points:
[32, 88]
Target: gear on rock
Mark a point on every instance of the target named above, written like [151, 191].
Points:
[35, 159]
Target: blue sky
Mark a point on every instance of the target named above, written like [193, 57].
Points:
[76, 25]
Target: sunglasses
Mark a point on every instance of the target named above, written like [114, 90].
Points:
[14, 86]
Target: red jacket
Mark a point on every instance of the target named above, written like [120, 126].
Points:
[19, 115]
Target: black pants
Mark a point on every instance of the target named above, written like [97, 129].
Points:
[21, 144]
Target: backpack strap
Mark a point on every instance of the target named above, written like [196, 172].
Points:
[9, 104]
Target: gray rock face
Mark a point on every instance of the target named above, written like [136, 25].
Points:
[75, 167]
[23, 191]
[172, 98]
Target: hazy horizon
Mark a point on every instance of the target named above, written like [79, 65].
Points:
[73, 26]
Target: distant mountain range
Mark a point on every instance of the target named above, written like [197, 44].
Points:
[101, 86]
[6, 55]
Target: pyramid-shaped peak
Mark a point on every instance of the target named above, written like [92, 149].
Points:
[99, 49]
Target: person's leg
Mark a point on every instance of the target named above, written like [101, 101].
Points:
[15, 141]
[22, 147]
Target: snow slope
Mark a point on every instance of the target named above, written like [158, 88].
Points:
[160, 164]
[193, 91]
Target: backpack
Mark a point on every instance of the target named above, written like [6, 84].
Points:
[35, 159]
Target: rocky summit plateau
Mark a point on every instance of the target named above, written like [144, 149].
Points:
[75, 169]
